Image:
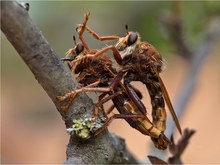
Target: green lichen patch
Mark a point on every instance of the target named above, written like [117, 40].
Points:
[87, 127]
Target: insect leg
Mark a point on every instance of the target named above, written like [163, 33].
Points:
[116, 80]
[82, 29]
[116, 116]
[101, 38]
[111, 108]
[101, 102]
[132, 94]
[138, 93]
[120, 75]
[116, 54]
[90, 88]
[61, 98]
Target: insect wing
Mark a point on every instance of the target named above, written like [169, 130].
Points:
[169, 104]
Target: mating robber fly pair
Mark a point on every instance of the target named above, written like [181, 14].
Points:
[138, 61]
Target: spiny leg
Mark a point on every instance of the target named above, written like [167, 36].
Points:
[71, 95]
[120, 76]
[96, 36]
[130, 90]
[116, 54]
[117, 116]
[82, 29]
[100, 52]
[101, 102]
[114, 82]
[61, 98]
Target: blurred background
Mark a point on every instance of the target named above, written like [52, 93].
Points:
[32, 130]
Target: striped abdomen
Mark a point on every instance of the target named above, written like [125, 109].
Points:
[157, 102]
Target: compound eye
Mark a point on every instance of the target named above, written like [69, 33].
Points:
[132, 38]
[79, 48]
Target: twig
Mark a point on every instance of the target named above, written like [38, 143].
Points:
[196, 63]
[56, 80]
[174, 24]
[155, 160]
[176, 149]
[211, 34]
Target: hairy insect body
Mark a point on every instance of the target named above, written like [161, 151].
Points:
[142, 124]
[92, 70]
[100, 69]
[140, 65]
[139, 61]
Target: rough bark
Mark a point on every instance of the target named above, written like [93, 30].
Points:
[56, 80]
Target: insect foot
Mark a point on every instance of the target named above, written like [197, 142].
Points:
[70, 96]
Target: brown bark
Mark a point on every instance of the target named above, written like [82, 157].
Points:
[56, 80]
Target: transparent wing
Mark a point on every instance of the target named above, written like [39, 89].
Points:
[169, 104]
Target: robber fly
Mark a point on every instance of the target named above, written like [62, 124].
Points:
[100, 70]
[140, 61]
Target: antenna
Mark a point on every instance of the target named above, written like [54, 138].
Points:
[74, 39]
[126, 28]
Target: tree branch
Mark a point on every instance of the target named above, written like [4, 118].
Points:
[196, 62]
[56, 80]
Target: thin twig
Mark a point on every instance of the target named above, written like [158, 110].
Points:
[174, 25]
[195, 64]
[176, 149]
[211, 35]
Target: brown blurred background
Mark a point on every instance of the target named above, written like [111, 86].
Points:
[32, 130]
